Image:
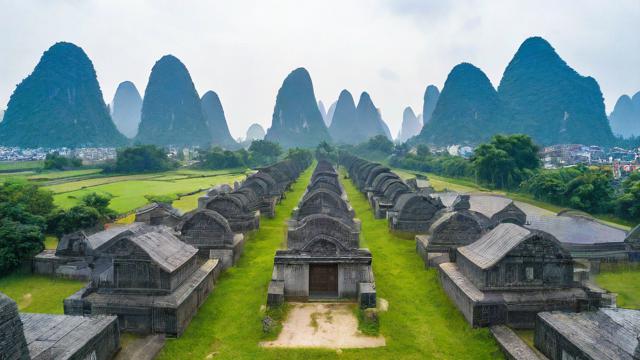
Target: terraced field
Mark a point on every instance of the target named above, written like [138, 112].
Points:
[129, 192]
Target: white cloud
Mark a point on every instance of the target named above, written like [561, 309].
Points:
[389, 48]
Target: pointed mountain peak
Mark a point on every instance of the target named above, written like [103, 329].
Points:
[126, 107]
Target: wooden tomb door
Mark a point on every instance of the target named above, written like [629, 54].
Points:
[323, 280]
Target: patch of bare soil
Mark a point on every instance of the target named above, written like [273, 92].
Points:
[325, 325]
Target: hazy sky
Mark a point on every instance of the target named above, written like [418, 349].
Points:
[391, 48]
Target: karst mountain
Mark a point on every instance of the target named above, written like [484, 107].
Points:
[468, 109]
[550, 101]
[59, 104]
[296, 120]
[255, 132]
[411, 125]
[370, 121]
[171, 110]
[125, 109]
[430, 99]
[345, 128]
[625, 117]
[217, 122]
[330, 112]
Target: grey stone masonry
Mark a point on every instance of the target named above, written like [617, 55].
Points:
[323, 258]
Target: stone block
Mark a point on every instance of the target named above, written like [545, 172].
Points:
[275, 296]
[366, 295]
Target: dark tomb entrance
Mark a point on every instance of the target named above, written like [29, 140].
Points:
[323, 280]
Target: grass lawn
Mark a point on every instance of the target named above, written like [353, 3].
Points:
[421, 322]
[129, 191]
[188, 203]
[623, 279]
[37, 293]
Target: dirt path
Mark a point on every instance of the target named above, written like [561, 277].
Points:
[327, 325]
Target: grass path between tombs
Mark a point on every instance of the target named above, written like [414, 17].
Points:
[421, 322]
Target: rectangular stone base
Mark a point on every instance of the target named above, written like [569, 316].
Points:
[168, 314]
[516, 308]
[47, 263]
[229, 256]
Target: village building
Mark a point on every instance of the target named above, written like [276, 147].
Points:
[604, 334]
[158, 214]
[323, 259]
[150, 279]
[51, 337]
[510, 274]
[211, 234]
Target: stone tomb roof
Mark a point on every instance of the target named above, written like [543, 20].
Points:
[62, 336]
[603, 334]
[496, 244]
[162, 246]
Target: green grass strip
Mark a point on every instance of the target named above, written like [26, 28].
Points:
[421, 322]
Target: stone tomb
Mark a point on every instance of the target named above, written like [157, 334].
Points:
[236, 209]
[158, 214]
[49, 337]
[210, 233]
[510, 274]
[413, 213]
[602, 334]
[451, 230]
[323, 259]
[150, 279]
[76, 252]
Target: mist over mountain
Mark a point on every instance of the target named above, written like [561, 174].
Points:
[323, 112]
[550, 101]
[430, 99]
[330, 112]
[345, 127]
[411, 125]
[296, 120]
[125, 109]
[59, 104]
[255, 132]
[216, 121]
[468, 109]
[625, 117]
[1, 115]
[171, 110]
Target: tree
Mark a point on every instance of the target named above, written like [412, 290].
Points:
[380, 143]
[591, 191]
[423, 150]
[325, 151]
[264, 152]
[79, 217]
[628, 203]
[217, 159]
[506, 161]
[141, 159]
[101, 203]
[299, 155]
[55, 161]
[22, 210]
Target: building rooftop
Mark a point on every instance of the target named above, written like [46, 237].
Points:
[605, 334]
[494, 245]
